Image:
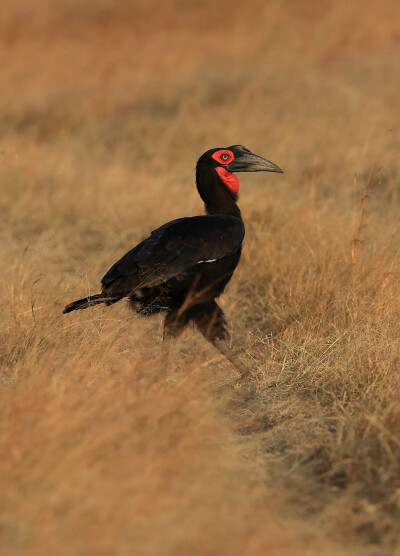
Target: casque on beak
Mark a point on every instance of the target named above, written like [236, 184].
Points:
[250, 162]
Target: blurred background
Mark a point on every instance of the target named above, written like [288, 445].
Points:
[105, 107]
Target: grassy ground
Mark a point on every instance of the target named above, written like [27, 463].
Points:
[104, 109]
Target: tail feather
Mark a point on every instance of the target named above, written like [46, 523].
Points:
[88, 301]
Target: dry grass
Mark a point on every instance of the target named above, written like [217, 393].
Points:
[104, 109]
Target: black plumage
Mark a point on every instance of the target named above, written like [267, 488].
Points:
[184, 265]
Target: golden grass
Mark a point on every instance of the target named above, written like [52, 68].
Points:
[104, 109]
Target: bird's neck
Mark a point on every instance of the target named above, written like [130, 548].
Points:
[218, 199]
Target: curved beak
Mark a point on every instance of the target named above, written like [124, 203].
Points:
[250, 162]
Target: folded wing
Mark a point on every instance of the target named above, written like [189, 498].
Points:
[173, 248]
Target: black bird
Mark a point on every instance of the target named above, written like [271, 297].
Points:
[184, 265]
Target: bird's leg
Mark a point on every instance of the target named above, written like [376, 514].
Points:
[165, 354]
[223, 347]
[210, 320]
[173, 326]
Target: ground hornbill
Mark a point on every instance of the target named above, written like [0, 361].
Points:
[184, 265]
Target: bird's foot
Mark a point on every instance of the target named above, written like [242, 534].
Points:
[245, 382]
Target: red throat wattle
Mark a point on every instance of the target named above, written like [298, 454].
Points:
[229, 179]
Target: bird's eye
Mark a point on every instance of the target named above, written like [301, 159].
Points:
[223, 156]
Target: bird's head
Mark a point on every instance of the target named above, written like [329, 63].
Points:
[226, 161]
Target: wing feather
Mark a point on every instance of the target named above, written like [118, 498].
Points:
[173, 248]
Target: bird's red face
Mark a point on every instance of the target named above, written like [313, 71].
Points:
[224, 157]
[239, 159]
